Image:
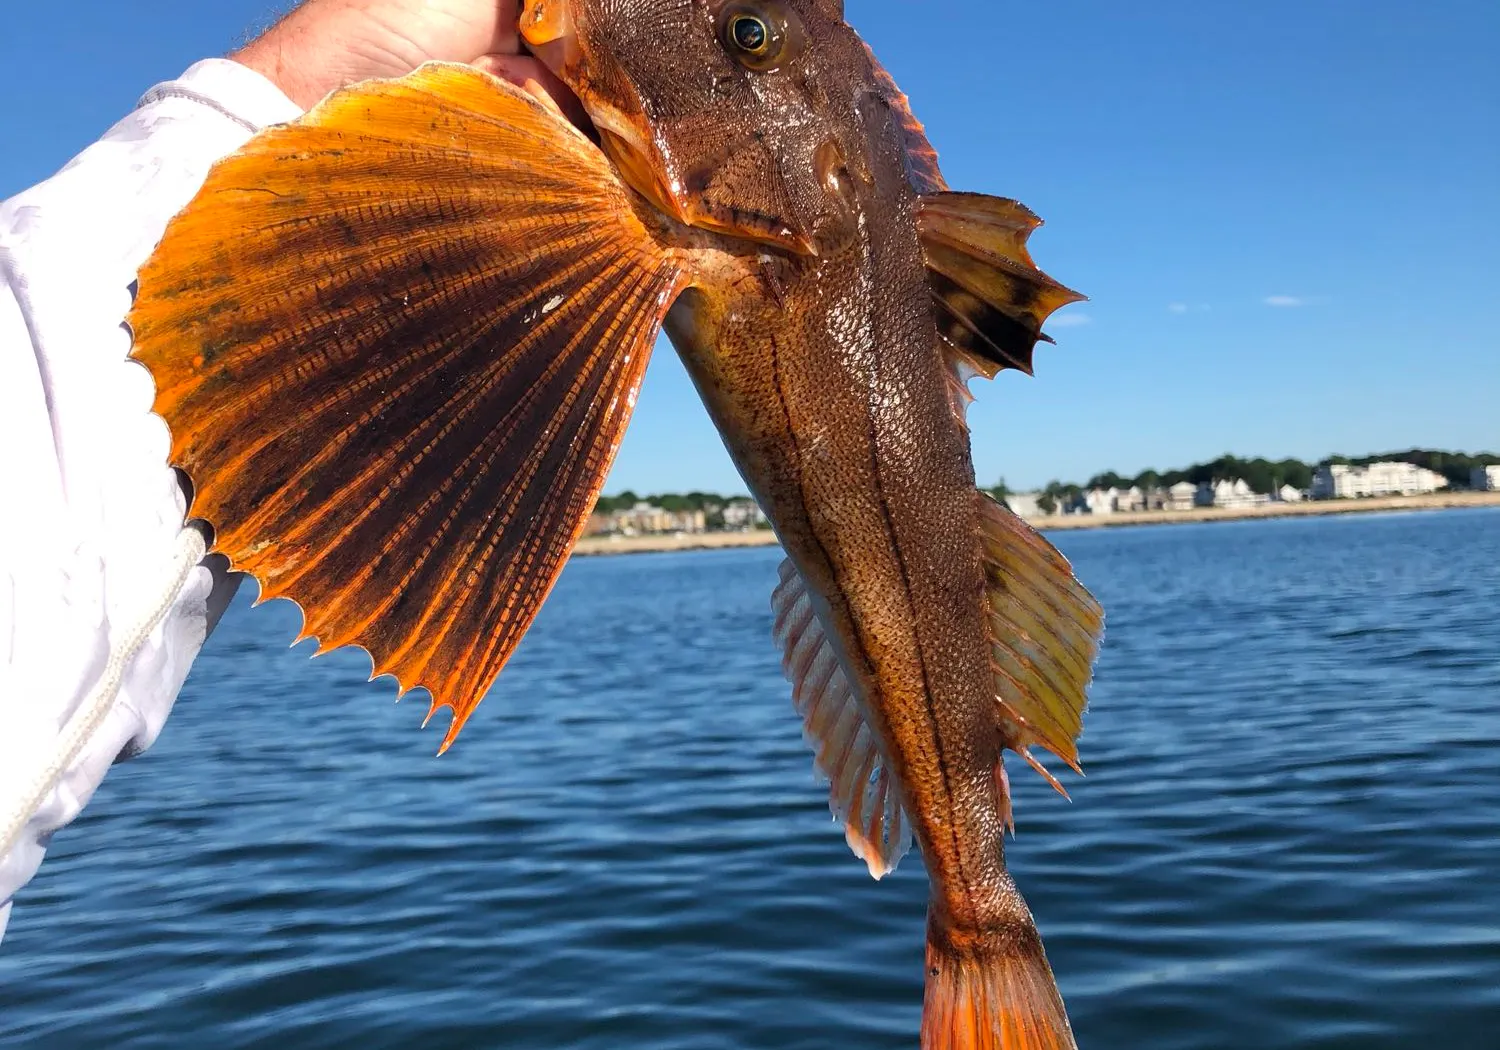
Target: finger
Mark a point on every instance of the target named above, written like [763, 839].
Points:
[533, 77]
[507, 38]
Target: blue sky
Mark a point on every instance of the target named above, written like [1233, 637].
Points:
[1286, 213]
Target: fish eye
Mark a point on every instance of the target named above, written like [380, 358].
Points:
[750, 34]
[760, 36]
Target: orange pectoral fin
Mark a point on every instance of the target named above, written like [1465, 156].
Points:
[397, 343]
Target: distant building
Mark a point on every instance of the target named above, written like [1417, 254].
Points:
[1101, 501]
[1025, 504]
[1486, 479]
[743, 515]
[1338, 481]
[1154, 498]
[1229, 495]
[1119, 501]
[1182, 496]
[646, 520]
[1288, 494]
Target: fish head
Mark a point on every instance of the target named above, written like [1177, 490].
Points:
[747, 118]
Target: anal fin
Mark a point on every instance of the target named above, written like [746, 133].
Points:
[864, 793]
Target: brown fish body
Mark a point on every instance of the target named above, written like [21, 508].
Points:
[827, 381]
[834, 407]
[450, 295]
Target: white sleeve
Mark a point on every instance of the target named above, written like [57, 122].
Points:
[90, 513]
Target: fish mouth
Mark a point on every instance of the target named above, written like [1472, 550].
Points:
[544, 22]
[640, 163]
[549, 32]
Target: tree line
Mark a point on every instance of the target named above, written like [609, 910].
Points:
[671, 502]
[1261, 475]
[1264, 476]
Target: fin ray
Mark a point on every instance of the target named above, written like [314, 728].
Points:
[864, 794]
[991, 299]
[921, 159]
[1045, 631]
[992, 991]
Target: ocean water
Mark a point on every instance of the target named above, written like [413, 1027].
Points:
[1287, 836]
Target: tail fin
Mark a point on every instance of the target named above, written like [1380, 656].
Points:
[993, 991]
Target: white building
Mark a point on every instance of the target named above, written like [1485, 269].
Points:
[743, 515]
[1287, 494]
[1154, 498]
[1486, 479]
[1229, 495]
[1025, 504]
[1337, 481]
[1101, 501]
[1182, 496]
[645, 519]
[1116, 500]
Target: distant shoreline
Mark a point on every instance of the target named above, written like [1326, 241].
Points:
[1306, 509]
[604, 546]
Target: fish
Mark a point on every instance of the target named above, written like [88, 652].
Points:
[397, 343]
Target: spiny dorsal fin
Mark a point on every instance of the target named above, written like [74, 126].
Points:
[1045, 630]
[863, 792]
[922, 170]
[991, 299]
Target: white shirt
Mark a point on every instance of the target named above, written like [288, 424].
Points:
[90, 512]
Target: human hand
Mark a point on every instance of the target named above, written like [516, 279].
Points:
[325, 44]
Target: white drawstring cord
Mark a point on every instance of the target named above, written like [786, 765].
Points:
[190, 550]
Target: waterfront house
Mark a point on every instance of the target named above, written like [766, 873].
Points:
[1101, 501]
[1182, 496]
[1154, 498]
[1229, 495]
[743, 515]
[646, 520]
[1025, 504]
[1340, 481]
[1288, 494]
[1117, 501]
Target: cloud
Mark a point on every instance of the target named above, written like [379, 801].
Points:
[1070, 320]
[1285, 301]
[1178, 308]
[1188, 308]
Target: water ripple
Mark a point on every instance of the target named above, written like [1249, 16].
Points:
[1286, 836]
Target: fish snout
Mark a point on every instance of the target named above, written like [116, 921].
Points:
[547, 28]
[545, 21]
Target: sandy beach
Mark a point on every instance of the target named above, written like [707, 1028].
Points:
[612, 545]
[596, 546]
